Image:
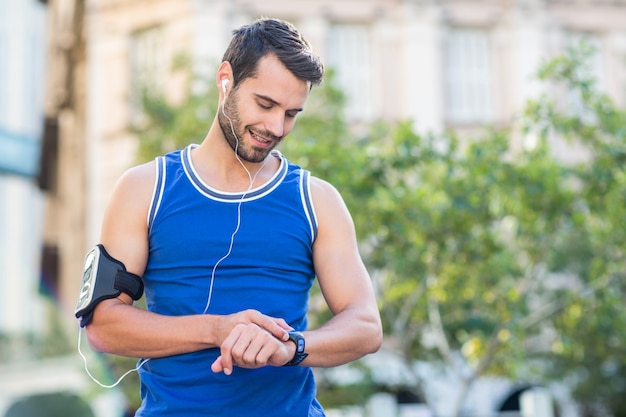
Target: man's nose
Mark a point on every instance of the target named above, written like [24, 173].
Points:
[276, 125]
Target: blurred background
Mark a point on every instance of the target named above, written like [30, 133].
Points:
[479, 144]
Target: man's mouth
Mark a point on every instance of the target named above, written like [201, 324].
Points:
[260, 139]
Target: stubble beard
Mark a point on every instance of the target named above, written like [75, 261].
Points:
[233, 133]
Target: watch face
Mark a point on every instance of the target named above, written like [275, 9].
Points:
[300, 345]
[89, 278]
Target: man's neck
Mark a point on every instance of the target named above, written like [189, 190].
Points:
[220, 167]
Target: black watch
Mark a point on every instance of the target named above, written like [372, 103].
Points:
[300, 355]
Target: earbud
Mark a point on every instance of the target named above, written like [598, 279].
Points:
[224, 83]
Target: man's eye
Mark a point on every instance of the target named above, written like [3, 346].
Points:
[265, 106]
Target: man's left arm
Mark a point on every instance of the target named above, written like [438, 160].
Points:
[355, 329]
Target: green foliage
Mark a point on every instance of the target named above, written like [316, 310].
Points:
[589, 348]
[336, 396]
[464, 229]
[478, 250]
[320, 137]
[54, 342]
[165, 125]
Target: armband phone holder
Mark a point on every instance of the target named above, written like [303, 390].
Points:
[104, 277]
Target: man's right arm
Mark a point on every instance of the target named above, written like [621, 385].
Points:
[120, 328]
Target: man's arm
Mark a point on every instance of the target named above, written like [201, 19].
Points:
[355, 329]
[122, 329]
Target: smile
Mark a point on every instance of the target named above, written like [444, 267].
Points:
[259, 138]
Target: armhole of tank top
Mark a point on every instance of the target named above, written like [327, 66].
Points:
[157, 193]
[307, 202]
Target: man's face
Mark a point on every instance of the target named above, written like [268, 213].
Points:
[261, 111]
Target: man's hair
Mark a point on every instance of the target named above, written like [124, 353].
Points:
[265, 36]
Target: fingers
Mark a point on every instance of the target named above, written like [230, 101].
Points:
[217, 366]
[249, 346]
[277, 327]
[286, 327]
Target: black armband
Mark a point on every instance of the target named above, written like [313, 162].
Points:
[104, 277]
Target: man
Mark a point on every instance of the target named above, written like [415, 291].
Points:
[227, 237]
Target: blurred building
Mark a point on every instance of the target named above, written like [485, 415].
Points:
[40, 90]
[22, 53]
[442, 63]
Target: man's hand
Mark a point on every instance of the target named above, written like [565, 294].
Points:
[253, 341]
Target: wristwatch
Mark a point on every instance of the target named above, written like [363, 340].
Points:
[300, 355]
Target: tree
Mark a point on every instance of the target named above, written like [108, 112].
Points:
[589, 348]
[460, 234]
[167, 125]
[494, 260]
[488, 258]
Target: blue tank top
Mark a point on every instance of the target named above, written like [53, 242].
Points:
[269, 268]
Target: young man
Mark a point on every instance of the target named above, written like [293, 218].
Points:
[227, 237]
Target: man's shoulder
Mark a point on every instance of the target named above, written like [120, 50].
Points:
[140, 173]
[137, 181]
[321, 186]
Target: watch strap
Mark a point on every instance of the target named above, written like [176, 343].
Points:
[300, 353]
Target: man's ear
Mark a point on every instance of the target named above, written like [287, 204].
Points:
[224, 76]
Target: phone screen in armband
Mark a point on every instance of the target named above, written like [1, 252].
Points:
[88, 284]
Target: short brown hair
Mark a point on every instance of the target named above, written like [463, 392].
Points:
[252, 42]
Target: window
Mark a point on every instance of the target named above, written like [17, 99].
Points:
[149, 62]
[468, 76]
[349, 56]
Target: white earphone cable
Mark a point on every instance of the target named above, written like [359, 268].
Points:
[252, 179]
[93, 378]
[243, 196]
